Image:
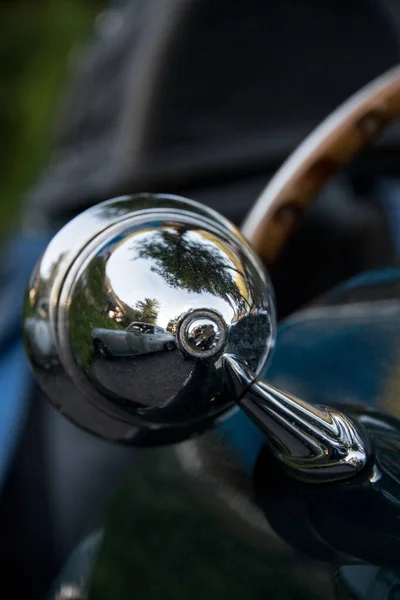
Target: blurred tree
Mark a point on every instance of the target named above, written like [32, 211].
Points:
[36, 39]
[146, 311]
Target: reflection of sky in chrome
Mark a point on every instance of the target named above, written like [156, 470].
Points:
[137, 282]
[75, 234]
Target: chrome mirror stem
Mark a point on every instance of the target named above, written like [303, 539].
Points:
[315, 443]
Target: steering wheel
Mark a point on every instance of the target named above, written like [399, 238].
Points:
[329, 147]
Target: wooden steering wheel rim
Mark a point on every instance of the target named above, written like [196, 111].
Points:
[327, 149]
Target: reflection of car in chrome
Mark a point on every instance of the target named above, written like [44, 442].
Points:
[137, 338]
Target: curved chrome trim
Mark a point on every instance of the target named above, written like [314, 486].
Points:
[317, 444]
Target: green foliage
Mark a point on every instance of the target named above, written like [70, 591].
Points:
[146, 311]
[83, 318]
[88, 311]
[36, 39]
[204, 269]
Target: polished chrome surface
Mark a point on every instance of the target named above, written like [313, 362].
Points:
[202, 334]
[130, 310]
[314, 443]
[145, 320]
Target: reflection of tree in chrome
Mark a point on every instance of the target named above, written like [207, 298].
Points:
[146, 311]
[186, 263]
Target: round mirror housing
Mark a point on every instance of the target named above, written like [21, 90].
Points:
[130, 310]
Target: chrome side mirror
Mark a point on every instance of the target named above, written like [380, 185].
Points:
[132, 307]
[149, 318]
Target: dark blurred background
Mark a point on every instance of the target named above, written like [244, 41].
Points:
[40, 42]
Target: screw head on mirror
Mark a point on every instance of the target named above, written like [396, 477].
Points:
[130, 310]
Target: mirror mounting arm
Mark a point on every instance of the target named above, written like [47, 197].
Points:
[316, 444]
